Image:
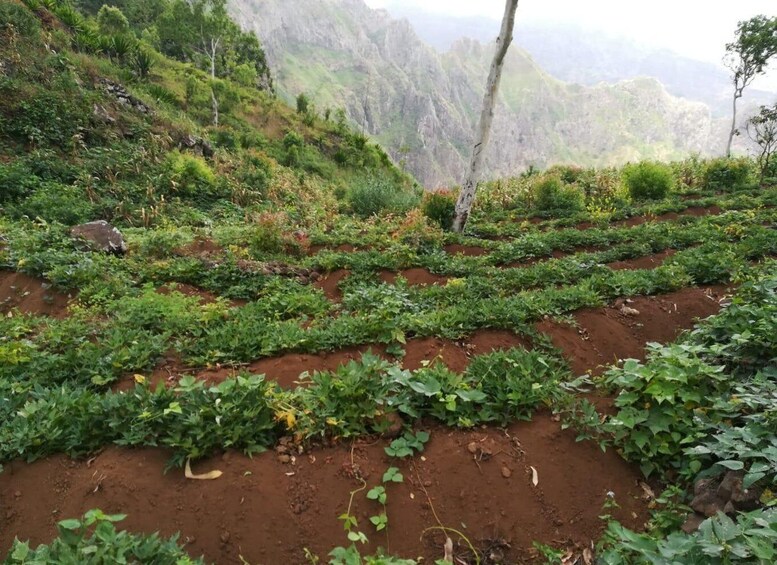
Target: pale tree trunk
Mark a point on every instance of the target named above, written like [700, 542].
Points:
[467, 196]
[212, 52]
[733, 128]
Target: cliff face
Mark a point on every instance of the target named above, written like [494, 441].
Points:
[423, 105]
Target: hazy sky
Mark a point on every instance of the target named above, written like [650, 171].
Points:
[696, 28]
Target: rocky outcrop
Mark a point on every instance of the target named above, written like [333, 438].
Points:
[121, 94]
[99, 236]
[422, 106]
[196, 145]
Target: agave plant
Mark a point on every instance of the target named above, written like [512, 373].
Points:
[121, 46]
[86, 41]
[70, 17]
[142, 61]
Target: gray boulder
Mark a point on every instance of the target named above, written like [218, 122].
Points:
[99, 236]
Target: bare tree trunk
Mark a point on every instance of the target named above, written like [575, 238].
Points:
[733, 127]
[214, 45]
[467, 196]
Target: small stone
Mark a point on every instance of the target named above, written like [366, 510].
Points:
[282, 449]
[506, 472]
[224, 537]
[626, 311]
[17, 494]
[284, 458]
[427, 483]
[472, 448]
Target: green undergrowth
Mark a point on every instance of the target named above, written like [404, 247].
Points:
[250, 413]
[93, 540]
[698, 409]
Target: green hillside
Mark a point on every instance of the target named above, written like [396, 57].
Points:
[87, 132]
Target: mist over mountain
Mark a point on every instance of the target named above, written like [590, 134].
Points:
[422, 104]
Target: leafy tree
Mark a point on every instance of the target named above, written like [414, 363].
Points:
[112, 21]
[762, 129]
[747, 56]
[302, 103]
[483, 133]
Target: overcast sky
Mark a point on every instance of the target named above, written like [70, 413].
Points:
[696, 28]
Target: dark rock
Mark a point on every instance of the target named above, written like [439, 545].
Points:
[99, 236]
[692, 523]
[196, 145]
[703, 485]
[708, 503]
[123, 97]
[731, 482]
[746, 500]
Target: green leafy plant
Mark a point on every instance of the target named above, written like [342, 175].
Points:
[727, 174]
[719, 540]
[551, 195]
[648, 181]
[439, 207]
[407, 445]
[93, 540]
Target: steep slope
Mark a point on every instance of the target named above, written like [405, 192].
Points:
[84, 136]
[421, 105]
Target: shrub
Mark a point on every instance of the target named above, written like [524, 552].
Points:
[55, 202]
[550, 195]
[569, 174]
[648, 181]
[190, 175]
[270, 233]
[112, 21]
[440, 207]
[374, 195]
[16, 181]
[727, 174]
[418, 233]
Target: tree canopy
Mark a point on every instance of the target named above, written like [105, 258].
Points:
[748, 55]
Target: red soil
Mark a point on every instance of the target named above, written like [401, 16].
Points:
[695, 211]
[31, 296]
[286, 369]
[329, 284]
[647, 262]
[605, 335]
[466, 250]
[414, 277]
[456, 354]
[264, 511]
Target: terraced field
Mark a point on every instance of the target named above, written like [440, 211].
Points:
[441, 369]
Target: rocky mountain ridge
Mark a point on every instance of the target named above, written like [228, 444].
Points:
[422, 105]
